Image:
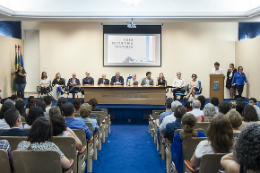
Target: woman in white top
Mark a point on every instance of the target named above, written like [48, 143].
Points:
[194, 86]
[45, 83]
[220, 139]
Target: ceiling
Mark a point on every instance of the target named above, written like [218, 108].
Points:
[121, 10]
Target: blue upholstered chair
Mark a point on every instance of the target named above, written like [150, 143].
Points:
[200, 89]
[179, 93]
[38, 88]
[129, 77]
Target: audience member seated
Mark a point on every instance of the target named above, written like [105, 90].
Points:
[103, 80]
[59, 129]
[223, 107]
[48, 102]
[215, 102]
[169, 118]
[73, 123]
[41, 104]
[245, 156]
[4, 145]
[188, 106]
[233, 105]
[209, 112]
[253, 102]
[85, 111]
[34, 113]
[13, 119]
[39, 139]
[94, 104]
[55, 110]
[13, 99]
[30, 98]
[32, 102]
[202, 100]
[7, 105]
[240, 105]
[168, 110]
[236, 121]
[188, 131]
[20, 106]
[117, 79]
[199, 114]
[76, 103]
[249, 114]
[61, 102]
[171, 127]
[220, 139]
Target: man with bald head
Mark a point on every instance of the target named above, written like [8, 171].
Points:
[72, 83]
[133, 80]
[196, 110]
[103, 80]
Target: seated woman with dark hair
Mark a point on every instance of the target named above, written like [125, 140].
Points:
[249, 114]
[76, 102]
[215, 102]
[61, 102]
[188, 106]
[32, 102]
[188, 131]
[202, 100]
[39, 139]
[20, 106]
[220, 139]
[245, 157]
[34, 113]
[59, 129]
[93, 102]
[41, 104]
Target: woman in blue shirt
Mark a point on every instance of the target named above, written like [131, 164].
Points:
[239, 80]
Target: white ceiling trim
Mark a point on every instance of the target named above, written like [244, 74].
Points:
[72, 15]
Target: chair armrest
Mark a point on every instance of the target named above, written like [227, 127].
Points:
[82, 150]
[189, 167]
[104, 121]
[68, 169]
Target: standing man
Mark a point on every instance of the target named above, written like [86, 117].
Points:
[147, 80]
[179, 85]
[117, 79]
[217, 70]
[72, 83]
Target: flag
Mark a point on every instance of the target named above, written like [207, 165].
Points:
[15, 68]
[21, 59]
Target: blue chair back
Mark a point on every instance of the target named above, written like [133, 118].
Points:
[199, 84]
[129, 77]
[64, 81]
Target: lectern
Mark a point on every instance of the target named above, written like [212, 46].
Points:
[216, 86]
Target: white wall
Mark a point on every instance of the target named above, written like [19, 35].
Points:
[32, 61]
[186, 47]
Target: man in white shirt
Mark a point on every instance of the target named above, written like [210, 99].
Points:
[170, 118]
[196, 110]
[48, 102]
[217, 70]
[179, 85]
[133, 80]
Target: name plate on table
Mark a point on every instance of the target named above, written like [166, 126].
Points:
[110, 94]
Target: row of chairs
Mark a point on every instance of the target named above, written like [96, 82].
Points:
[30, 161]
[188, 148]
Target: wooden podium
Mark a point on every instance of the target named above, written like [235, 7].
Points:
[216, 88]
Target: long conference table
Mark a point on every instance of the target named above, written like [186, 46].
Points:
[121, 94]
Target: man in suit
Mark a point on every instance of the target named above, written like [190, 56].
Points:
[103, 80]
[117, 79]
[13, 119]
[72, 83]
[147, 80]
[88, 79]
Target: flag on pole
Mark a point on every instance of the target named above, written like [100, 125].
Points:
[15, 67]
[21, 59]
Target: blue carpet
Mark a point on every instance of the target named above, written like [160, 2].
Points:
[129, 149]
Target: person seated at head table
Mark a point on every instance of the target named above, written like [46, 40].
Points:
[13, 119]
[85, 111]
[179, 85]
[72, 83]
[217, 70]
[193, 87]
[188, 131]
[133, 80]
[40, 139]
[199, 114]
[58, 84]
[59, 129]
[253, 102]
[209, 112]
[117, 79]
[147, 80]
[236, 121]
[88, 80]
[103, 80]
[73, 123]
[245, 155]
[161, 80]
[220, 140]
[34, 113]
[45, 82]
